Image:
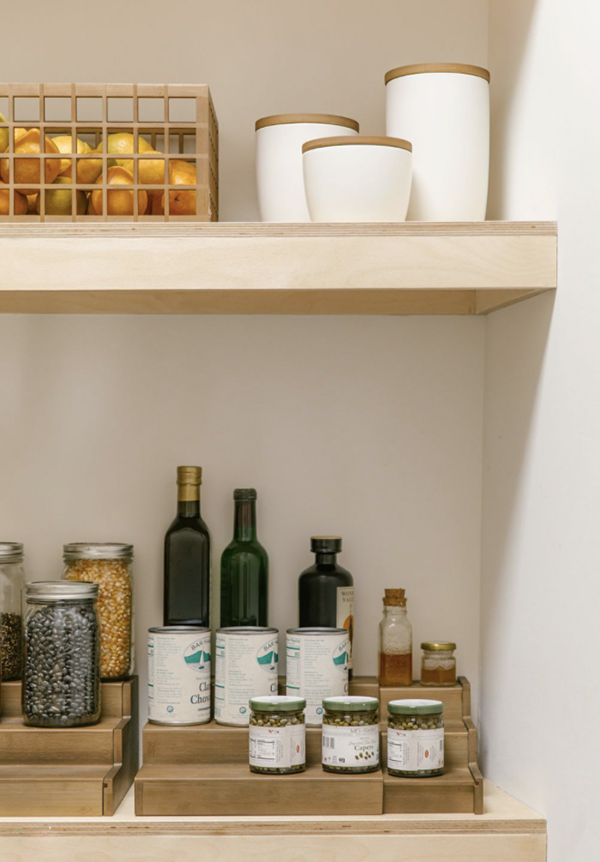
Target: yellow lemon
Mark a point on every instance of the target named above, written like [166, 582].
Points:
[120, 202]
[59, 202]
[27, 171]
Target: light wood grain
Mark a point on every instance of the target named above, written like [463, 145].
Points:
[265, 269]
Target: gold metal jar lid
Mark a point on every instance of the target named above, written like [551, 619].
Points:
[357, 140]
[286, 119]
[434, 646]
[425, 68]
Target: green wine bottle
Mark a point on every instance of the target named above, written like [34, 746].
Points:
[244, 568]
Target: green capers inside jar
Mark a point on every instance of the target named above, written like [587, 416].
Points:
[415, 738]
[277, 735]
[350, 734]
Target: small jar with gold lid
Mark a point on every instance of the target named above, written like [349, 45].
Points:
[395, 641]
[438, 663]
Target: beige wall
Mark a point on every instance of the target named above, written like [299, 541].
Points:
[367, 427]
[258, 56]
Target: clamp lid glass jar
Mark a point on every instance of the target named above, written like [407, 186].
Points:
[415, 738]
[12, 581]
[109, 566]
[61, 673]
[350, 734]
[277, 734]
[438, 663]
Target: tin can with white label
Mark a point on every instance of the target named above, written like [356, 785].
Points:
[316, 667]
[178, 675]
[246, 666]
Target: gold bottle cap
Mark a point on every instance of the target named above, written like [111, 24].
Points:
[395, 598]
[189, 475]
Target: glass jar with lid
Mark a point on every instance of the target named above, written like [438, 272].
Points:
[395, 641]
[110, 566]
[350, 734]
[277, 734]
[61, 671]
[438, 663]
[12, 582]
[415, 740]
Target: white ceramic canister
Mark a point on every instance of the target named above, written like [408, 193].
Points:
[360, 179]
[444, 110]
[316, 663]
[178, 675]
[279, 179]
[246, 663]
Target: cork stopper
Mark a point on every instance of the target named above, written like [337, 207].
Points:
[395, 598]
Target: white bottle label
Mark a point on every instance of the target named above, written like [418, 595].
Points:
[351, 746]
[345, 615]
[414, 750]
[277, 747]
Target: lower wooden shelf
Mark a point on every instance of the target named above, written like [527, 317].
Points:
[74, 771]
[507, 831]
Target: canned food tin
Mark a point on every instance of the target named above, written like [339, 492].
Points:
[316, 667]
[178, 675]
[246, 666]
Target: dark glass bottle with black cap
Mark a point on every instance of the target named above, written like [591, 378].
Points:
[244, 568]
[326, 590]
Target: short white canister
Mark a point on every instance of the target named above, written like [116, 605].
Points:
[279, 177]
[444, 110]
[359, 179]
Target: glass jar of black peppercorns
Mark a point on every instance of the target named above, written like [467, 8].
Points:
[61, 673]
[12, 580]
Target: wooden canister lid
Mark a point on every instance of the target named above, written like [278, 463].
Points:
[361, 140]
[452, 68]
[327, 119]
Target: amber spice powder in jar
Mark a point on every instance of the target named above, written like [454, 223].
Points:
[109, 566]
[438, 663]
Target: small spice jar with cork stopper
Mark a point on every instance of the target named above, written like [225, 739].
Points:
[395, 641]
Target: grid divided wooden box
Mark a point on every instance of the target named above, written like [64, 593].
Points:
[203, 770]
[71, 771]
[161, 163]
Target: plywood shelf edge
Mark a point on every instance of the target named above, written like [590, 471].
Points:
[192, 268]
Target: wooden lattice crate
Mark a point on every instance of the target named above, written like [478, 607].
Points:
[161, 163]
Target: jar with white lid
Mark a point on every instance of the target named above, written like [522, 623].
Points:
[443, 109]
[61, 671]
[350, 734]
[108, 564]
[277, 735]
[279, 177]
[12, 582]
[415, 738]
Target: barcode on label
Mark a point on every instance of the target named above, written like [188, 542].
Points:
[328, 742]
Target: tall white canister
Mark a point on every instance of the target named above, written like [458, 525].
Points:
[444, 110]
[279, 177]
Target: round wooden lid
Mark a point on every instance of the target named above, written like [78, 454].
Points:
[284, 119]
[361, 140]
[452, 68]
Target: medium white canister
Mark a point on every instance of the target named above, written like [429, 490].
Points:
[444, 110]
[279, 179]
[358, 179]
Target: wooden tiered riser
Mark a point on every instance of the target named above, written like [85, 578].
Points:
[73, 772]
[203, 770]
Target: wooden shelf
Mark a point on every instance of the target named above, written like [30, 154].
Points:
[71, 771]
[411, 268]
[507, 829]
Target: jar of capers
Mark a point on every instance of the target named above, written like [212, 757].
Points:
[415, 746]
[350, 734]
[277, 735]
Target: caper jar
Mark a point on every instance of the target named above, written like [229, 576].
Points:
[108, 565]
[350, 734]
[438, 664]
[415, 746]
[61, 673]
[12, 581]
[277, 735]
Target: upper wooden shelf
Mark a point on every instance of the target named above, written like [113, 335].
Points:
[236, 268]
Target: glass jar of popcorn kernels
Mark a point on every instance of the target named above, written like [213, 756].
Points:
[109, 565]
